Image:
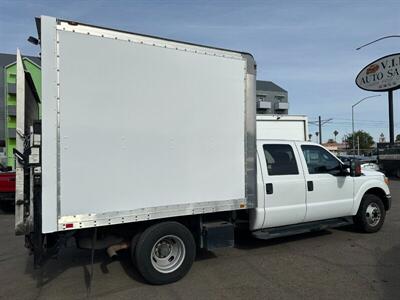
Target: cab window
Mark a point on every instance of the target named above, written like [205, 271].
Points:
[280, 159]
[319, 160]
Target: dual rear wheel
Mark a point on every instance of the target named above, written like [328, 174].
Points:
[164, 252]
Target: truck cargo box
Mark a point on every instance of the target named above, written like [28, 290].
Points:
[282, 127]
[136, 127]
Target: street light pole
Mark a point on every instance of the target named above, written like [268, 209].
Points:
[352, 127]
[352, 117]
[377, 40]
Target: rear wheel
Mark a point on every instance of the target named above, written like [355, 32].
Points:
[134, 242]
[165, 252]
[371, 214]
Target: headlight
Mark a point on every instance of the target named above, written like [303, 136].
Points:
[386, 180]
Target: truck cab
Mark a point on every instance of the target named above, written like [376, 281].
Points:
[300, 182]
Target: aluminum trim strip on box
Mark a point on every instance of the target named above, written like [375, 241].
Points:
[50, 186]
[151, 213]
[250, 135]
[140, 39]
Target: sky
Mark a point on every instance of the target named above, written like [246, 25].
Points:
[306, 47]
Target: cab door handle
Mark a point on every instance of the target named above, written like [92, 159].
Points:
[269, 188]
[310, 186]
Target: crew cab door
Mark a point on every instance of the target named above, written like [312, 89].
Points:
[329, 188]
[284, 183]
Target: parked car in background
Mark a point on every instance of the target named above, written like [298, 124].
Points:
[7, 186]
[367, 162]
[389, 158]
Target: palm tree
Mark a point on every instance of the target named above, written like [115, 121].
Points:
[335, 133]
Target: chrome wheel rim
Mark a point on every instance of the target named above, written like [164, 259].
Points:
[373, 214]
[168, 254]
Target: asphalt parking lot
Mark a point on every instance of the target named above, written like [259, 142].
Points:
[334, 264]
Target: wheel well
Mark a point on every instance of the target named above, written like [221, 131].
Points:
[381, 194]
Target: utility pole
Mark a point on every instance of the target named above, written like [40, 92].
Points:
[391, 123]
[320, 129]
[319, 123]
[358, 145]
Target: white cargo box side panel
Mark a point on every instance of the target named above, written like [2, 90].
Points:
[144, 127]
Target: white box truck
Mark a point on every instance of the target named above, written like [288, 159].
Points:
[150, 144]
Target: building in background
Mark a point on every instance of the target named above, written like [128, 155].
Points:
[337, 148]
[271, 98]
[8, 70]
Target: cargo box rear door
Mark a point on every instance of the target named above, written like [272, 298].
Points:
[27, 113]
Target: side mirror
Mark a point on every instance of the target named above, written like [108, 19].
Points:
[355, 168]
[345, 168]
[346, 165]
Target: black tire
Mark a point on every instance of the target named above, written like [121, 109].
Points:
[367, 219]
[134, 242]
[169, 236]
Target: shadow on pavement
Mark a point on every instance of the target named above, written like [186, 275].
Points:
[388, 271]
[203, 254]
[66, 259]
[125, 260]
[245, 240]
[350, 228]
[72, 258]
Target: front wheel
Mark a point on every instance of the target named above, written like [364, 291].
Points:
[165, 252]
[371, 214]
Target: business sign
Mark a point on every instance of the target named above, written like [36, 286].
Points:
[381, 75]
